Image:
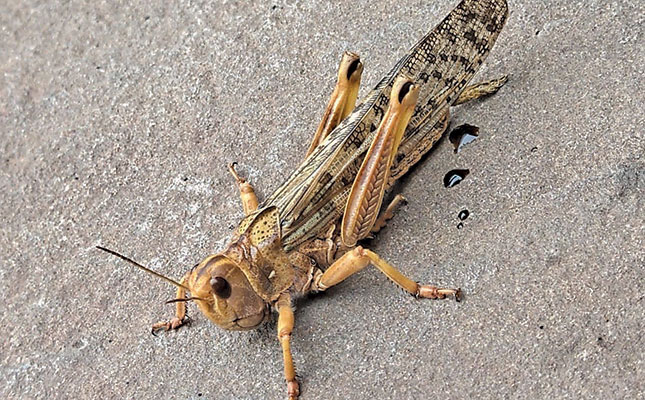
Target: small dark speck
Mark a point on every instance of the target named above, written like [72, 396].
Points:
[231, 226]
[274, 7]
[460, 225]
[127, 382]
[602, 343]
[98, 67]
[537, 32]
[541, 326]
[109, 340]
[185, 179]
[199, 395]
[534, 149]
[147, 17]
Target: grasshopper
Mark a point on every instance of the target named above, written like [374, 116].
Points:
[304, 237]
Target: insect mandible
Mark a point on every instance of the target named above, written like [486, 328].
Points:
[304, 237]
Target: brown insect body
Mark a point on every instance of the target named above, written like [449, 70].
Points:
[303, 237]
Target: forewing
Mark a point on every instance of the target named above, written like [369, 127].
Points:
[441, 63]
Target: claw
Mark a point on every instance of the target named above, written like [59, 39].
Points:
[231, 168]
[293, 390]
[174, 323]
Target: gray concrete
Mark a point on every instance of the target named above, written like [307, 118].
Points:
[117, 123]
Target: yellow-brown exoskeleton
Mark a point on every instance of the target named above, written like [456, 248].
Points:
[304, 237]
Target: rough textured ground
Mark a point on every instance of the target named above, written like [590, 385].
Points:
[117, 121]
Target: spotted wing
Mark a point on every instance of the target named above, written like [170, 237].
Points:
[442, 63]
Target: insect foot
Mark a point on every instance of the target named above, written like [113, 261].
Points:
[174, 323]
[433, 292]
[293, 390]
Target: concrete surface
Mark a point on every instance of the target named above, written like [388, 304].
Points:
[117, 122]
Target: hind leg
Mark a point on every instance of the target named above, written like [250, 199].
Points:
[343, 98]
[366, 195]
[480, 90]
[387, 215]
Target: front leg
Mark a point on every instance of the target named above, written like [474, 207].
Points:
[285, 327]
[343, 98]
[247, 194]
[180, 310]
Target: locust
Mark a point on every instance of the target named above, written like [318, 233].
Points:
[305, 236]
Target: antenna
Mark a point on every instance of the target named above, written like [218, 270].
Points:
[148, 270]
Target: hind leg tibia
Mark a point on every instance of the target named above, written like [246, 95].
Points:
[480, 90]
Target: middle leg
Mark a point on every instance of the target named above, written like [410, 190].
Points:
[285, 327]
[358, 258]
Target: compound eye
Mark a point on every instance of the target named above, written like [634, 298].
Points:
[221, 288]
